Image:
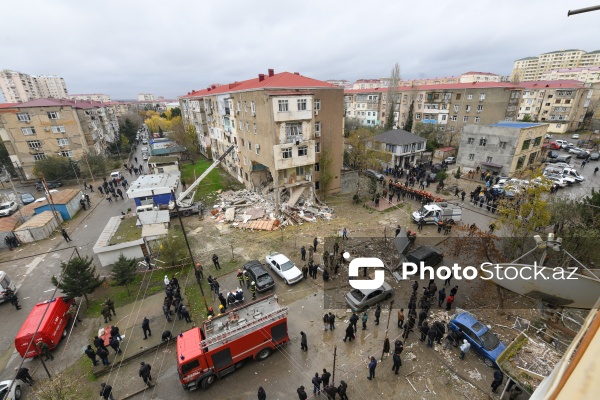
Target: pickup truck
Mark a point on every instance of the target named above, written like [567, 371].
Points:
[434, 213]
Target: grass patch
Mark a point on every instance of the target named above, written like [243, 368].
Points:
[126, 232]
[216, 180]
[75, 382]
[154, 283]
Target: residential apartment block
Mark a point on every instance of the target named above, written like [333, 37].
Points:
[534, 68]
[33, 130]
[18, 87]
[104, 98]
[286, 129]
[453, 106]
[505, 147]
[584, 74]
[145, 97]
[404, 148]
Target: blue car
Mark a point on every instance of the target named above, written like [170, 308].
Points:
[482, 339]
[27, 198]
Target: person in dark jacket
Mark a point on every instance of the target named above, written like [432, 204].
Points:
[498, 378]
[91, 354]
[215, 259]
[331, 320]
[114, 332]
[301, 393]
[441, 297]
[166, 336]
[106, 392]
[431, 335]
[325, 377]
[342, 390]
[144, 373]
[223, 301]
[102, 353]
[23, 375]
[303, 341]
[330, 391]
[115, 344]
[99, 343]
[354, 320]
[349, 332]
[372, 366]
[146, 328]
[377, 314]
[424, 329]
[422, 316]
[262, 395]
[316, 381]
[397, 362]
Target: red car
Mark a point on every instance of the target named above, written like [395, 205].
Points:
[554, 146]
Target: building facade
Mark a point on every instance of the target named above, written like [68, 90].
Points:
[533, 68]
[405, 149]
[505, 147]
[104, 98]
[18, 87]
[34, 130]
[584, 74]
[145, 97]
[286, 129]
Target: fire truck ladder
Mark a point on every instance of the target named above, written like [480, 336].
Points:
[235, 330]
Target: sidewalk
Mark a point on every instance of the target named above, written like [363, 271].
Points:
[122, 373]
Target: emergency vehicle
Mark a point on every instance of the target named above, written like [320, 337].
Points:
[53, 317]
[224, 343]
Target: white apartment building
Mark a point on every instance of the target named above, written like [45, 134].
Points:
[18, 87]
[532, 68]
[51, 87]
[584, 74]
[145, 97]
[104, 98]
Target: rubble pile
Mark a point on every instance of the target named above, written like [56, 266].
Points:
[257, 211]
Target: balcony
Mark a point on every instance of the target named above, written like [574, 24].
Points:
[294, 160]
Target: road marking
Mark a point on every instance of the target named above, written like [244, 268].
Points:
[25, 298]
[31, 266]
[49, 290]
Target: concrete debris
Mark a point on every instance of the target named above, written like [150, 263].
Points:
[410, 356]
[257, 211]
[475, 375]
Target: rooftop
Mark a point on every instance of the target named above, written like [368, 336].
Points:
[127, 231]
[561, 51]
[8, 224]
[519, 125]
[527, 58]
[79, 104]
[38, 220]
[154, 217]
[398, 137]
[567, 84]
[479, 73]
[147, 185]
[62, 197]
[162, 159]
[283, 80]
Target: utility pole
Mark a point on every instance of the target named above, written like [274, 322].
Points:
[50, 201]
[187, 243]
[333, 372]
[387, 328]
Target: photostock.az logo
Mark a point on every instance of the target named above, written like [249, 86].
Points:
[366, 262]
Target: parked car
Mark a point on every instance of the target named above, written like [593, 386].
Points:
[595, 156]
[145, 149]
[483, 340]
[575, 150]
[553, 154]
[27, 198]
[575, 136]
[284, 268]
[554, 146]
[582, 154]
[374, 174]
[115, 175]
[428, 255]
[437, 167]
[561, 142]
[431, 177]
[15, 392]
[567, 146]
[450, 160]
[359, 299]
[258, 273]
[8, 208]
[51, 185]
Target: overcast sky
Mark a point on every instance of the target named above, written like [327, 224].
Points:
[168, 48]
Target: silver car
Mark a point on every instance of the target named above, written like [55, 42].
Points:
[8, 208]
[359, 299]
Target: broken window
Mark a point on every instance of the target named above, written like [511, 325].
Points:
[293, 131]
[287, 152]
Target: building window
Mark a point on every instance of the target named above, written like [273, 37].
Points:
[67, 153]
[245, 161]
[252, 107]
[257, 148]
[456, 108]
[470, 140]
[317, 167]
[526, 144]
[293, 131]
[520, 162]
[63, 142]
[465, 119]
[453, 118]
[317, 147]
[471, 157]
[317, 105]
[469, 97]
[283, 105]
[458, 96]
[467, 108]
[301, 104]
[247, 127]
[249, 145]
[239, 107]
[537, 141]
[479, 108]
[317, 129]
[241, 126]
[317, 185]
[23, 117]
[287, 152]
[477, 119]
[502, 145]
[255, 132]
[243, 142]
[418, 116]
[245, 106]
[34, 144]
[532, 157]
[53, 114]
[481, 96]
[58, 129]
[482, 141]
[39, 156]
[488, 159]
[300, 171]
[302, 151]
[30, 130]
[558, 125]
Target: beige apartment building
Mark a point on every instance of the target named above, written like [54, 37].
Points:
[286, 129]
[18, 87]
[145, 97]
[534, 68]
[104, 98]
[584, 74]
[33, 130]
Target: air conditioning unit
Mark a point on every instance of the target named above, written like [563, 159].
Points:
[316, 112]
[318, 134]
[254, 113]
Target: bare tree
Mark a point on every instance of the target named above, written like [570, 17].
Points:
[392, 97]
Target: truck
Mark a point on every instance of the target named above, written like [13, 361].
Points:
[52, 319]
[436, 212]
[6, 283]
[224, 343]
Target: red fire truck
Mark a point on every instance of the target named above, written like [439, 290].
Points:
[225, 342]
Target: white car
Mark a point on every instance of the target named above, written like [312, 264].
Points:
[575, 150]
[115, 175]
[561, 142]
[283, 267]
[8, 208]
[575, 136]
[144, 149]
[555, 179]
[450, 160]
[15, 391]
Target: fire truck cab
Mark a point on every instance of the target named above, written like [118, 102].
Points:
[224, 343]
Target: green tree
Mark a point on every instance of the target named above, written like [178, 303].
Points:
[79, 278]
[431, 132]
[458, 173]
[160, 132]
[124, 271]
[325, 171]
[5, 159]
[56, 167]
[350, 125]
[409, 119]
[392, 97]
[129, 129]
[172, 248]
[175, 112]
[361, 153]
[441, 176]
[96, 162]
[526, 118]
[185, 136]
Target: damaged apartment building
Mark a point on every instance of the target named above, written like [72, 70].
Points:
[287, 130]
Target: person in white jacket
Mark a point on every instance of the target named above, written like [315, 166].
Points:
[464, 348]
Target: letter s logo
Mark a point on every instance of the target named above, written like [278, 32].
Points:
[368, 262]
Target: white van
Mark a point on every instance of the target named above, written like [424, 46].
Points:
[573, 174]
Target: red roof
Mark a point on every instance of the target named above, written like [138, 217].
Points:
[479, 73]
[283, 80]
[82, 104]
[442, 86]
[569, 84]
[7, 105]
